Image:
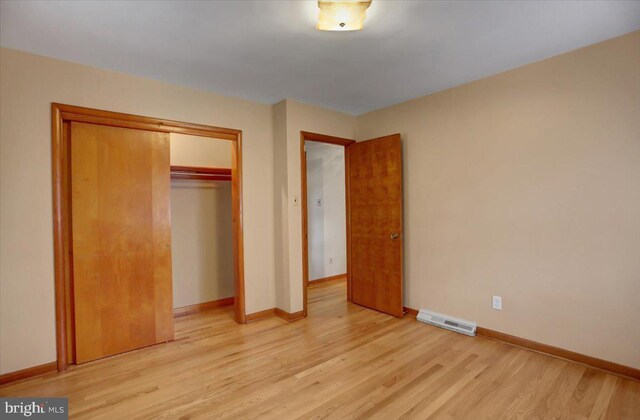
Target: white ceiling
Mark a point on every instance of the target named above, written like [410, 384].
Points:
[269, 50]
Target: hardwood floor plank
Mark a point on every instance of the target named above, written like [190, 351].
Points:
[342, 361]
[604, 398]
[559, 392]
[625, 403]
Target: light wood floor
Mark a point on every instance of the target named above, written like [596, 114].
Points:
[343, 361]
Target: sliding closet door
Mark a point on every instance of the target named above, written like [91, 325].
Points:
[121, 239]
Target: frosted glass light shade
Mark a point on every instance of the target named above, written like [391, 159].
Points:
[342, 15]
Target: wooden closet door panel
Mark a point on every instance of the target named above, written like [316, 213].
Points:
[375, 214]
[121, 239]
[162, 269]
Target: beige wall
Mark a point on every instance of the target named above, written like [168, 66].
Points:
[527, 185]
[201, 223]
[295, 117]
[28, 85]
[281, 206]
[189, 150]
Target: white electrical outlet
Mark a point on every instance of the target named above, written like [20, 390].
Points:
[497, 302]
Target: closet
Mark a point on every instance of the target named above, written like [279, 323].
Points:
[147, 226]
[201, 223]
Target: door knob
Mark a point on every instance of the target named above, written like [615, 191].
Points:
[395, 235]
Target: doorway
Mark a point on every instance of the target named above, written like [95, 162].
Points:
[324, 210]
[374, 220]
[118, 134]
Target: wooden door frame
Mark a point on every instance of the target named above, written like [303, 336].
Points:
[61, 116]
[321, 138]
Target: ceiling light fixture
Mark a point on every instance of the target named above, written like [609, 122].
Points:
[342, 15]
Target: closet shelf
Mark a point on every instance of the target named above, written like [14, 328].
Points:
[200, 173]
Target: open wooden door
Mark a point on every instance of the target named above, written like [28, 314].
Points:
[121, 239]
[375, 215]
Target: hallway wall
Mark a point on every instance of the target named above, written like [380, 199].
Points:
[326, 210]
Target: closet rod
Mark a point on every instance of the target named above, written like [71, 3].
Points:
[200, 173]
